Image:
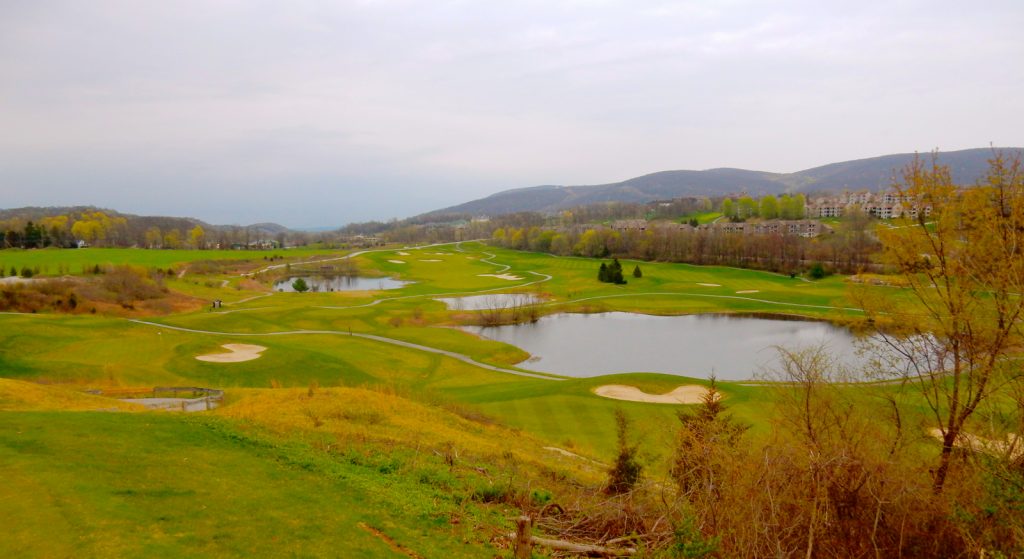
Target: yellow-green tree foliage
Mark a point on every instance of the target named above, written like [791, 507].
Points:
[196, 237]
[769, 207]
[962, 259]
[97, 227]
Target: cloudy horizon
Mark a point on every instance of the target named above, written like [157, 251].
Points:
[321, 113]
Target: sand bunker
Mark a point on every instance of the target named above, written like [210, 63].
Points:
[710, 284]
[1011, 444]
[397, 261]
[749, 291]
[431, 260]
[402, 253]
[508, 277]
[568, 454]
[236, 354]
[685, 394]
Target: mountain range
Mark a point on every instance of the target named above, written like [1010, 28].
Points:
[874, 173]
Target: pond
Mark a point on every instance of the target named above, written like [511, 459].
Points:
[491, 301]
[733, 348]
[341, 283]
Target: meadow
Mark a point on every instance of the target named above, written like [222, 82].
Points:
[358, 397]
[56, 261]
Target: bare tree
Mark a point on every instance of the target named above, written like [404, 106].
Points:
[960, 256]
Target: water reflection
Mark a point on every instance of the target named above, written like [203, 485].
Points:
[733, 348]
[341, 283]
[491, 301]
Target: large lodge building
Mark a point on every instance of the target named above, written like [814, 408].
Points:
[887, 205]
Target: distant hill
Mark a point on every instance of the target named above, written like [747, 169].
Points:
[36, 213]
[873, 174]
[123, 229]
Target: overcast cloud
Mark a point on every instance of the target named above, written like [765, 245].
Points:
[319, 113]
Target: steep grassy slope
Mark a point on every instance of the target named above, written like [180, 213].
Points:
[117, 485]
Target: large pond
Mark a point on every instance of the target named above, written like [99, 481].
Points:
[491, 301]
[732, 348]
[341, 283]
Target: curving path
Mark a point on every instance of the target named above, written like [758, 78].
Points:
[457, 356]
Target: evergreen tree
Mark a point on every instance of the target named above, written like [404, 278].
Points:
[637, 273]
[300, 285]
[706, 436]
[625, 473]
[33, 236]
[615, 273]
[12, 239]
[611, 273]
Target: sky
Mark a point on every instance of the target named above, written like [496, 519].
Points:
[316, 113]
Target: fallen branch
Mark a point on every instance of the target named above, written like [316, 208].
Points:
[586, 549]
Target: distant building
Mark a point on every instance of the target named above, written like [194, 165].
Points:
[887, 205]
[801, 227]
[622, 225]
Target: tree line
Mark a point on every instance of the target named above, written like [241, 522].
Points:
[30, 228]
[850, 248]
[767, 207]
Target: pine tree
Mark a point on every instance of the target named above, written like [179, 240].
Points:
[637, 273]
[625, 473]
[602, 273]
[615, 273]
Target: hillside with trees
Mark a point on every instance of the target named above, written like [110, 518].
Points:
[876, 173]
[36, 227]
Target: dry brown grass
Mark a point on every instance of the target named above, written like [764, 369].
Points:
[118, 290]
[18, 395]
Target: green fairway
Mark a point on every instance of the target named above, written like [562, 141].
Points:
[96, 351]
[53, 261]
[193, 485]
[145, 485]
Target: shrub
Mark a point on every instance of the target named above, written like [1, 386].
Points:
[625, 472]
[126, 284]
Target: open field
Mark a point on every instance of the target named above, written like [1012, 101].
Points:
[400, 343]
[78, 261]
